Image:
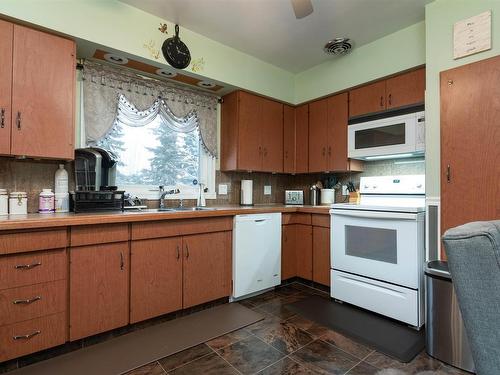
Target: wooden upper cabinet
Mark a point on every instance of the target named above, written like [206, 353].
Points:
[99, 288]
[296, 139]
[318, 120]
[367, 99]
[249, 136]
[251, 133]
[271, 132]
[155, 277]
[406, 89]
[302, 139]
[289, 113]
[470, 143]
[6, 39]
[207, 267]
[399, 91]
[337, 132]
[43, 95]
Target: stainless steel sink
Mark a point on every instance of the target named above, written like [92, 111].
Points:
[177, 209]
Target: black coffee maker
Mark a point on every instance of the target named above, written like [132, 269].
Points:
[95, 176]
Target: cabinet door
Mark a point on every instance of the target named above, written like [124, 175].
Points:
[288, 252]
[337, 133]
[249, 138]
[318, 119]
[43, 95]
[155, 277]
[207, 267]
[406, 89]
[367, 99]
[470, 143]
[272, 136]
[302, 139]
[99, 288]
[6, 36]
[321, 255]
[303, 248]
[288, 139]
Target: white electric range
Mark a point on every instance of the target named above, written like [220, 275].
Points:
[377, 248]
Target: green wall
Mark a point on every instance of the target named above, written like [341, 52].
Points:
[393, 53]
[440, 16]
[119, 26]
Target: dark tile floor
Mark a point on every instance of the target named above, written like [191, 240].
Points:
[284, 343]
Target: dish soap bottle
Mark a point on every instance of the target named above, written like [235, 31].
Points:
[61, 190]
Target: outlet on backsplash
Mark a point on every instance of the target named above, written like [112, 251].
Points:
[267, 189]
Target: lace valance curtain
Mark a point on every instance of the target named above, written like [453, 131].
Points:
[112, 94]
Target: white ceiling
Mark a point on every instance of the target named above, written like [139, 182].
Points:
[268, 29]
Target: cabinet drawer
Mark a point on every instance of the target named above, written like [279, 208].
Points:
[28, 302]
[19, 242]
[298, 218]
[34, 268]
[32, 335]
[98, 234]
[180, 227]
[321, 221]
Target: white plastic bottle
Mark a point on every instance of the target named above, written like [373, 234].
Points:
[61, 190]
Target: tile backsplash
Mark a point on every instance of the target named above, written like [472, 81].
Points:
[32, 176]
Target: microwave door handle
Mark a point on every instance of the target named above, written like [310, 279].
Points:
[375, 214]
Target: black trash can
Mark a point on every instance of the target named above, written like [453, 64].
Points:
[445, 334]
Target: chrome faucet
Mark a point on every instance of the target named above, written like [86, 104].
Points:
[163, 193]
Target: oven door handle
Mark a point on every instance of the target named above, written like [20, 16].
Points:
[375, 214]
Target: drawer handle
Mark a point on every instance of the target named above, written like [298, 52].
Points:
[178, 252]
[26, 337]
[187, 251]
[2, 118]
[27, 266]
[26, 301]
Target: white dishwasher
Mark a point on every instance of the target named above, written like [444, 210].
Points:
[256, 253]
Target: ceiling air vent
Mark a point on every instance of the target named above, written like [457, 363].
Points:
[338, 46]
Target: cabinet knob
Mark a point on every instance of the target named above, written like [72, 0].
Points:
[27, 266]
[18, 120]
[26, 337]
[187, 251]
[448, 173]
[381, 101]
[2, 118]
[390, 99]
[26, 301]
[265, 151]
[122, 261]
[178, 252]
[329, 150]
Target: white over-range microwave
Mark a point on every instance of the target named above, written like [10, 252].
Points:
[390, 137]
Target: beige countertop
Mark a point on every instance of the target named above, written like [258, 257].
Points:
[39, 221]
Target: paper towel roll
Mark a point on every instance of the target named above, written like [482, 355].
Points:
[246, 192]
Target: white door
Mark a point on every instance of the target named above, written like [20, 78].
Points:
[385, 246]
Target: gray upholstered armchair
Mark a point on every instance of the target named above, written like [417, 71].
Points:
[473, 252]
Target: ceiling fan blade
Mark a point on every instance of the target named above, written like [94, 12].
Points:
[302, 8]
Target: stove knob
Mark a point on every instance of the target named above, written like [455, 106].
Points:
[374, 186]
[366, 186]
[419, 186]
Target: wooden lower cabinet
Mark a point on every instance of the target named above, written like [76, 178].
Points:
[288, 252]
[32, 335]
[155, 277]
[207, 267]
[303, 243]
[99, 288]
[321, 255]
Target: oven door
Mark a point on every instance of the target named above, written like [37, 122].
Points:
[386, 246]
[384, 137]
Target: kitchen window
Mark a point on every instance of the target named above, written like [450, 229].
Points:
[154, 154]
[162, 134]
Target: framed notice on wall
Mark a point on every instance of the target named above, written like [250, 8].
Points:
[472, 35]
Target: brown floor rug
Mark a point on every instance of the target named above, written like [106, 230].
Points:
[136, 349]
